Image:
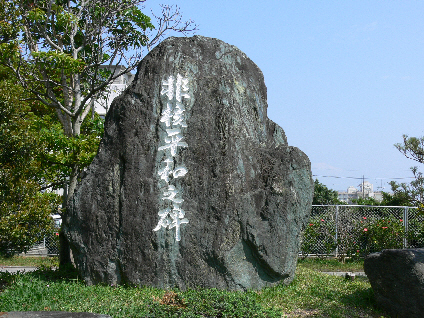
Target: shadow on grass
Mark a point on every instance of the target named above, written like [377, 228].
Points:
[64, 273]
[362, 298]
[48, 274]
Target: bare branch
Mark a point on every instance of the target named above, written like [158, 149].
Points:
[44, 30]
[170, 20]
[42, 97]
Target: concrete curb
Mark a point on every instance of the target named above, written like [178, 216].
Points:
[362, 274]
[15, 269]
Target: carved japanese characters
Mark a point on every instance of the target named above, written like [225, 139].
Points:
[171, 215]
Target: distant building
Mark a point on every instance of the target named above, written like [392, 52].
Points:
[366, 190]
[102, 104]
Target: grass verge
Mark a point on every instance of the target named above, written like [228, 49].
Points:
[29, 261]
[311, 294]
[332, 264]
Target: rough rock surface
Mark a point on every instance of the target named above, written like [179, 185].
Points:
[192, 185]
[397, 278]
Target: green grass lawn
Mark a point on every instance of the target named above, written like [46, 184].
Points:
[311, 294]
[28, 261]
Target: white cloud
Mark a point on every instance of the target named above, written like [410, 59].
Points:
[322, 166]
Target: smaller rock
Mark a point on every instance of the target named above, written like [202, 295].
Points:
[397, 278]
[50, 314]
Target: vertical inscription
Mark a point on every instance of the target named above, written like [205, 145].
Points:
[172, 117]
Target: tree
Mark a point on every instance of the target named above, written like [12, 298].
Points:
[397, 198]
[366, 201]
[35, 158]
[323, 195]
[412, 148]
[58, 50]
[413, 193]
[62, 46]
[24, 209]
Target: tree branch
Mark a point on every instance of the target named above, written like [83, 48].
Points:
[170, 20]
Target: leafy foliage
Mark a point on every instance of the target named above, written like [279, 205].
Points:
[365, 236]
[323, 195]
[412, 193]
[56, 49]
[397, 198]
[319, 230]
[375, 234]
[366, 201]
[24, 210]
[412, 148]
[36, 157]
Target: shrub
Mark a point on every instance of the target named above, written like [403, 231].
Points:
[375, 234]
[319, 236]
[359, 234]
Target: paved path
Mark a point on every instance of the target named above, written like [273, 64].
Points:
[15, 269]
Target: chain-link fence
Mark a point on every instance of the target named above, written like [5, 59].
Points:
[46, 246]
[51, 243]
[357, 230]
[350, 230]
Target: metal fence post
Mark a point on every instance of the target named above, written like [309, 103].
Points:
[336, 236]
[405, 224]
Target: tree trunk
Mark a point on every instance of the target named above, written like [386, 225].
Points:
[65, 258]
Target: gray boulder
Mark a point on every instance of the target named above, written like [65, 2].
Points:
[192, 186]
[397, 278]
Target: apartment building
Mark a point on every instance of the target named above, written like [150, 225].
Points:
[366, 190]
[102, 103]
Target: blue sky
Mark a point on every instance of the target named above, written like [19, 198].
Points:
[345, 78]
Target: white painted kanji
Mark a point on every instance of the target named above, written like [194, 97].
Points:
[178, 116]
[173, 216]
[173, 141]
[181, 88]
[167, 171]
[168, 87]
[170, 218]
[171, 195]
[164, 221]
[177, 217]
[167, 115]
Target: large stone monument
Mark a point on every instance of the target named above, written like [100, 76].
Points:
[192, 186]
